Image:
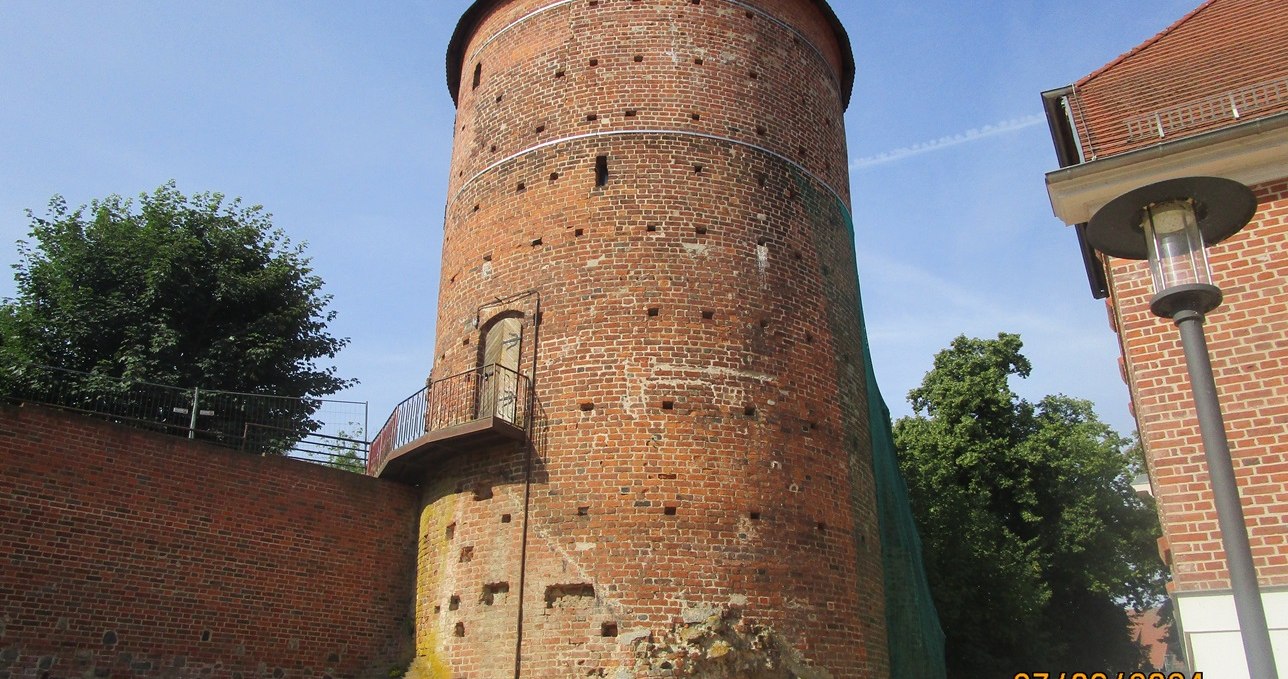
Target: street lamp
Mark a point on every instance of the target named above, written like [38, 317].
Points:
[1171, 223]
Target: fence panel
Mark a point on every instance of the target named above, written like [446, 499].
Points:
[318, 430]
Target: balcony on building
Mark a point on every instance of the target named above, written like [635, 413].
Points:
[466, 413]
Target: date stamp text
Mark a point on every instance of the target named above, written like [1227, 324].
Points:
[1106, 675]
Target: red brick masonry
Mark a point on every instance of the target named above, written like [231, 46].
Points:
[658, 191]
[1250, 359]
[125, 553]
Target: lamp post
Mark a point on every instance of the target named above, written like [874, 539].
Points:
[1171, 223]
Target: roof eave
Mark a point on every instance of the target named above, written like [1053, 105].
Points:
[1251, 152]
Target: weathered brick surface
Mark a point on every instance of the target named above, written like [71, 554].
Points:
[1248, 341]
[126, 553]
[700, 476]
[740, 71]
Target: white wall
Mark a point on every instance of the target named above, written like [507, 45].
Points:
[1212, 641]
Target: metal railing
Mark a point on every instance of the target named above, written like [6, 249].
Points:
[487, 391]
[327, 431]
[1227, 106]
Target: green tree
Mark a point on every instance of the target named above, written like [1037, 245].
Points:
[186, 291]
[349, 460]
[1035, 541]
[345, 451]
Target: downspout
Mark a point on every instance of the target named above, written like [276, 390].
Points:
[1068, 151]
[529, 451]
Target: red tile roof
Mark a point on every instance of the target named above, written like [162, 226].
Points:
[1223, 57]
[1153, 638]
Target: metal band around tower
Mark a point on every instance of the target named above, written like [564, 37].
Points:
[677, 133]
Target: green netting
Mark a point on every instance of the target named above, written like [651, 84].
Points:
[915, 639]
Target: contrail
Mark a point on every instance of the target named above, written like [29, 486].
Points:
[945, 142]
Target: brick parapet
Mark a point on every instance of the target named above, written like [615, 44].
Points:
[128, 553]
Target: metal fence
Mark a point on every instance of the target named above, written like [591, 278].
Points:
[327, 431]
[486, 391]
[1227, 106]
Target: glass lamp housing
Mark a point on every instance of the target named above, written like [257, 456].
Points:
[1174, 245]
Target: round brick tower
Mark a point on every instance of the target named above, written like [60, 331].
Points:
[647, 223]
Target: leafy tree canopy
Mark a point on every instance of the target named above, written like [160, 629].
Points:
[343, 451]
[1035, 541]
[191, 291]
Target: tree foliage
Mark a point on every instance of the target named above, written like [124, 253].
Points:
[345, 451]
[1035, 541]
[186, 291]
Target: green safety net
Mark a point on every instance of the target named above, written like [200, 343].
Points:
[916, 641]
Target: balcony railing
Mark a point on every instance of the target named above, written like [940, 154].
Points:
[475, 407]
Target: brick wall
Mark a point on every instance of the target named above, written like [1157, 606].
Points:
[126, 553]
[1248, 341]
[701, 495]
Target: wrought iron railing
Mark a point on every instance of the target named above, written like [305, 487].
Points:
[479, 393]
[313, 429]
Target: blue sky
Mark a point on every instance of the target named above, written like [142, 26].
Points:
[336, 117]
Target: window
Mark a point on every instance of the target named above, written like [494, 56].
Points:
[601, 170]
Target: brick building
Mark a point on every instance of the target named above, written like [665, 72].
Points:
[1208, 96]
[649, 294]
